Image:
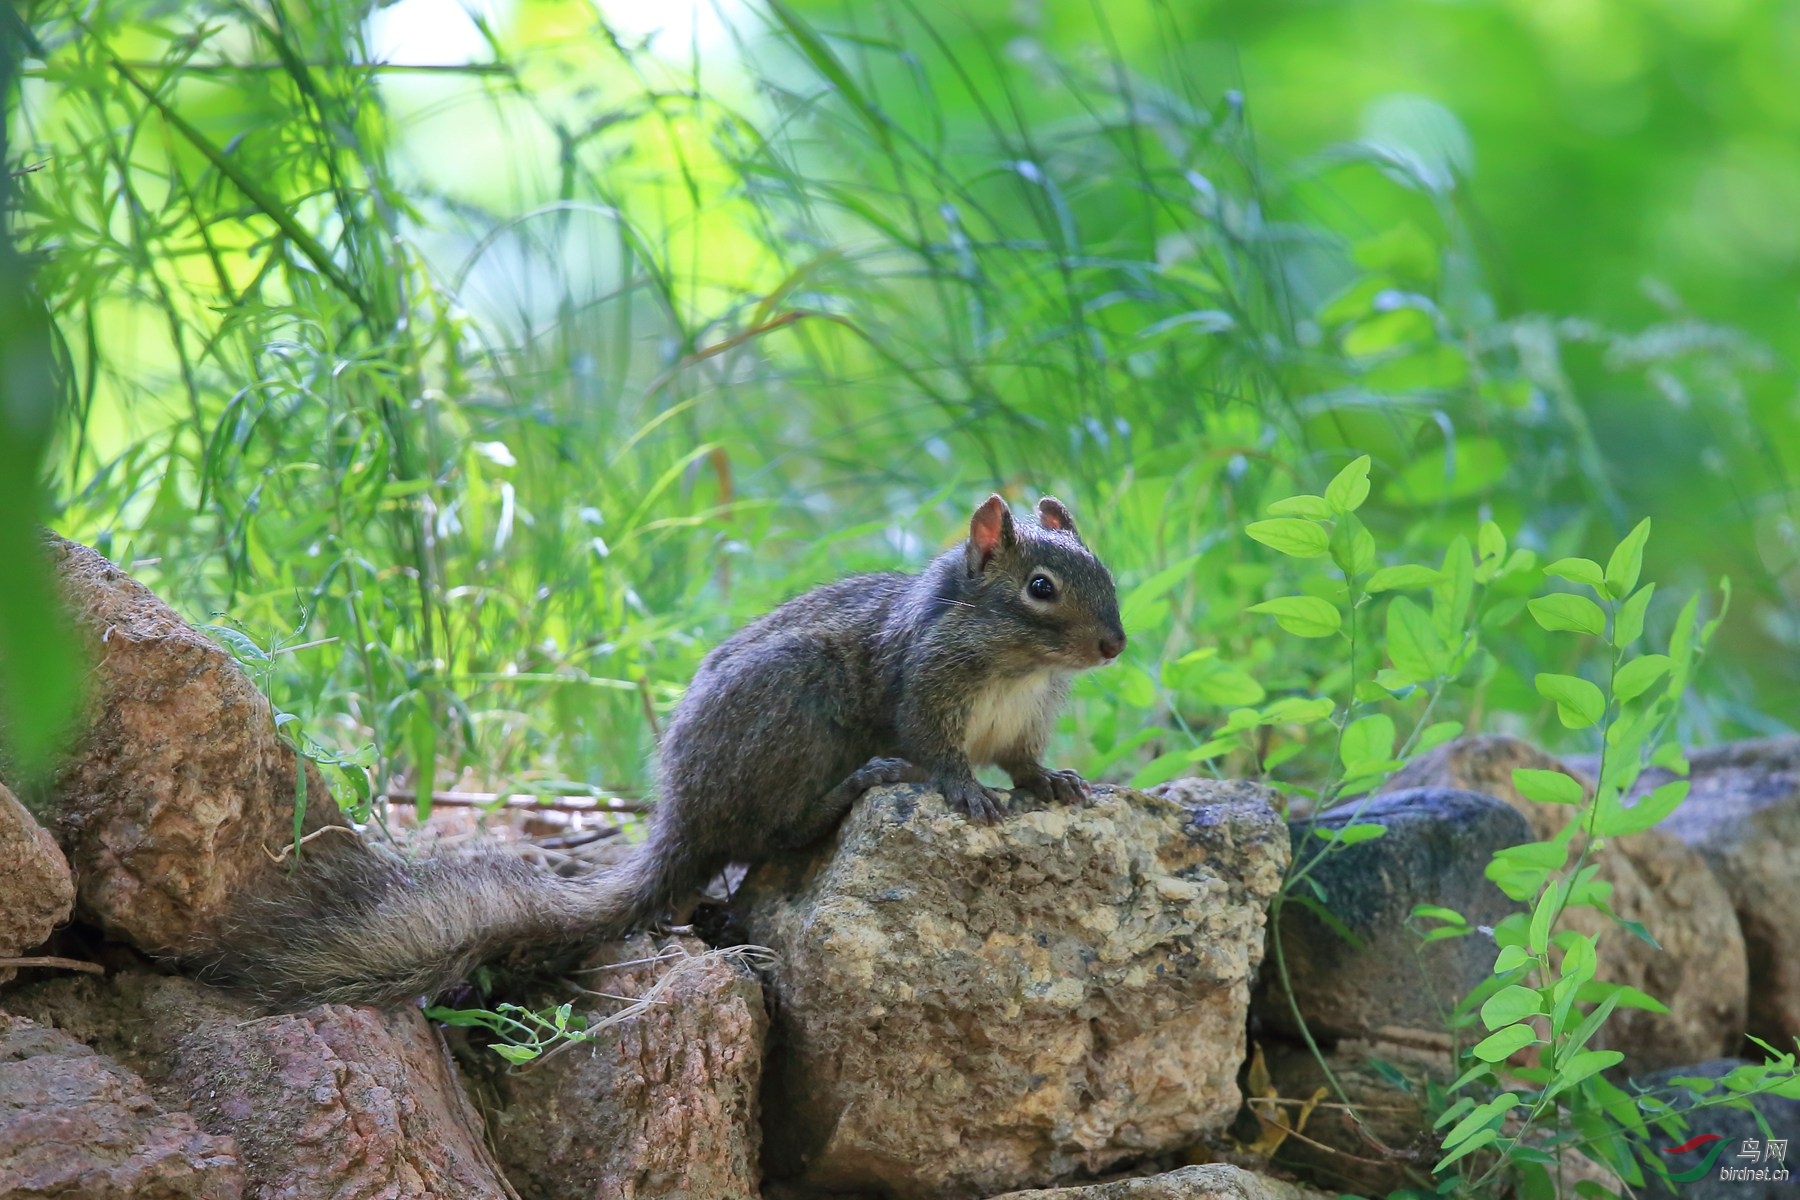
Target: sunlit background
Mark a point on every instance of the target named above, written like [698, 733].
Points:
[504, 356]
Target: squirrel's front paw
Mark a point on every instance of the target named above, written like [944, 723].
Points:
[981, 804]
[1059, 787]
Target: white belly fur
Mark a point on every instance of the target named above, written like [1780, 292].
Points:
[1007, 712]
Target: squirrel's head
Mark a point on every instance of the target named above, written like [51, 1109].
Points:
[1045, 578]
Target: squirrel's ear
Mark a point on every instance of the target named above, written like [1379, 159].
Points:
[990, 531]
[1054, 514]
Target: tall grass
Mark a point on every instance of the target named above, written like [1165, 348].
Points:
[474, 403]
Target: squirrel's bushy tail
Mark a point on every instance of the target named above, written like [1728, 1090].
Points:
[361, 926]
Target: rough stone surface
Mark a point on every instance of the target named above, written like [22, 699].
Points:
[1735, 1126]
[36, 891]
[79, 1126]
[1743, 816]
[1700, 972]
[1386, 985]
[178, 790]
[1214, 1181]
[661, 1104]
[961, 1009]
[344, 1102]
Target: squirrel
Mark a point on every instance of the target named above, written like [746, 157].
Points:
[871, 680]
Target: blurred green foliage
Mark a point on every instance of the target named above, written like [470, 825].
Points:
[479, 396]
[38, 672]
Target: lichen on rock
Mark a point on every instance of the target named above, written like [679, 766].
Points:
[78, 1124]
[662, 1104]
[964, 1008]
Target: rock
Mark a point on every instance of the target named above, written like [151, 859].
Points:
[334, 1101]
[79, 1126]
[660, 1104]
[1737, 1128]
[36, 891]
[1213, 1181]
[178, 791]
[1700, 971]
[1743, 815]
[1386, 985]
[961, 1009]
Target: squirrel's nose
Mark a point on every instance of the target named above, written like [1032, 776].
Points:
[1111, 646]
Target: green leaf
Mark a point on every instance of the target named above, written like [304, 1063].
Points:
[1490, 542]
[1579, 703]
[1133, 686]
[1469, 467]
[1596, 990]
[1351, 835]
[1212, 749]
[1314, 507]
[1294, 538]
[1352, 546]
[1645, 813]
[1161, 769]
[516, 1054]
[1586, 1063]
[1303, 616]
[1370, 740]
[1547, 787]
[1437, 912]
[1503, 1044]
[1589, 1026]
[1391, 579]
[1579, 961]
[1511, 958]
[1453, 1112]
[1225, 686]
[1436, 734]
[1568, 613]
[1549, 902]
[1510, 1005]
[1626, 561]
[1480, 1118]
[1578, 570]
[1413, 641]
[1469, 1147]
[1639, 675]
[1299, 710]
[1628, 626]
[1347, 492]
[1139, 599]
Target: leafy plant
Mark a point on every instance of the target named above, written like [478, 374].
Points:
[1544, 1006]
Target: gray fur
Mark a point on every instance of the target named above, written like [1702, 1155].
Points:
[869, 680]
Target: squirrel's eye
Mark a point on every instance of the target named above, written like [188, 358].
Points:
[1040, 588]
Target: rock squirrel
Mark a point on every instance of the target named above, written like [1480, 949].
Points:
[871, 680]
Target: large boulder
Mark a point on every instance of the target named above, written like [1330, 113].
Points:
[178, 796]
[1363, 972]
[961, 1008]
[661, 1102]
[1699, 971]
[36, 891]
[1743, 816]
[77, 1125]
[334, 1101]
[1213, 1181]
